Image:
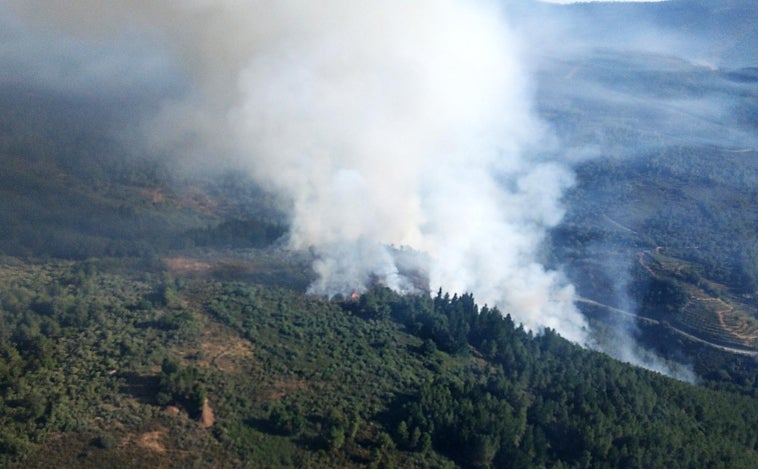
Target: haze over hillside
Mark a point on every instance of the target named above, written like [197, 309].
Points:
[655, 105]
[471, 173]
[204, 204]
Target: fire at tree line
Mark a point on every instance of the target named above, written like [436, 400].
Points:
[154, 319]
[96, 352]
[109, 350]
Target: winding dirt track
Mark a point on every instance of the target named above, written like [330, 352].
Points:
[749, 353]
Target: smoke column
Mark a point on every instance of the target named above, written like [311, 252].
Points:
[389, 123]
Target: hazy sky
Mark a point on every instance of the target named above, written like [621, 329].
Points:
[606, 1]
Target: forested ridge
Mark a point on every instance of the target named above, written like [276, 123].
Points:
[96, 354]
[188, 347]
[152, 319]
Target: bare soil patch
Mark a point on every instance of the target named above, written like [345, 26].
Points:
[186, 265]
[207, 419]
[151, 441]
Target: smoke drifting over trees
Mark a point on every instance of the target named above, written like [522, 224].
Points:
[403, 137]
[394, 123]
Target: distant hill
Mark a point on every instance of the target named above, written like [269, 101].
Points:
[721, 31]
[151, 319]
[72, 186]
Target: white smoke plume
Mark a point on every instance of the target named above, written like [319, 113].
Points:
[620, 340]
[389, 123]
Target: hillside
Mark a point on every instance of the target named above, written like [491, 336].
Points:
[154, 314]
[208, 352]
[660, 223]
[105, 365]
[718, 32]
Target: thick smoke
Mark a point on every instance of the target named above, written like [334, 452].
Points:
[406, 124]
[380, 124]
[402, 137]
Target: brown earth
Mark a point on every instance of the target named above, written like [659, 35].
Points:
[151, 441]
[186, 265]
[207, 419]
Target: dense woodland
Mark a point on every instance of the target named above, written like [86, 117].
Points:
[95, 356]
[149, 319]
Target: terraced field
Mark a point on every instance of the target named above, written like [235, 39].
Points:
[711, 312]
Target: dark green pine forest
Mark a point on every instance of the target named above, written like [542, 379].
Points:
[151, 315]
[107, 363]
[152, 320]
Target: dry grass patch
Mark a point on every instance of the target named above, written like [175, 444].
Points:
[186, 265]
[221, 348]
[152, 440]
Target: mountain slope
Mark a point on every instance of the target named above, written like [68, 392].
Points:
[130, 360]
